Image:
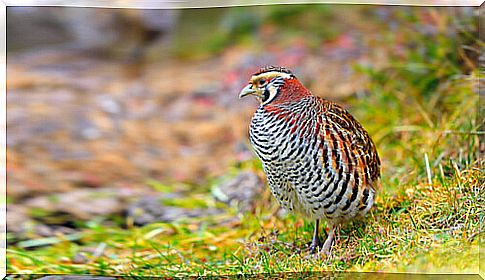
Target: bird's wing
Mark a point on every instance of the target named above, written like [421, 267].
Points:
[355, 137]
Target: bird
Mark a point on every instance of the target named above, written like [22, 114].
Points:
[319, 161]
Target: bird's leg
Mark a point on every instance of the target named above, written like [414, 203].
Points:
[328, 242]
[316, 243]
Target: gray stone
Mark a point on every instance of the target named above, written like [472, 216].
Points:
[239, 191]
[80, 258]
[151, 209]
[81, 203]
[16, 218]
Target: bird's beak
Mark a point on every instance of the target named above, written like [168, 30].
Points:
[246, 91]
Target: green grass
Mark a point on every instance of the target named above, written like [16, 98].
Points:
[427, 216]
[431, 228]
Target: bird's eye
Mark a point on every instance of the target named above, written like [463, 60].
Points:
[262, 82]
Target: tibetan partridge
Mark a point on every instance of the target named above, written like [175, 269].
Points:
[318, 159]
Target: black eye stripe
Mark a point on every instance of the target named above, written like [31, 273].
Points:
[265, 95]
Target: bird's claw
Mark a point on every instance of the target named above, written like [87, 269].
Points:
[315, 247]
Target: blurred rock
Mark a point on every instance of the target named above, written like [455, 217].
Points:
[151, 209]
[88, 28]
[81, 204]
[80, 258]
[108, 104]
[20, 222]
[43, 230]
[87, 129]
[240, 191]
[17, 216]
[22, 19]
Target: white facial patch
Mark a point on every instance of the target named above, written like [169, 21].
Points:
[272, 93]
[271, 74]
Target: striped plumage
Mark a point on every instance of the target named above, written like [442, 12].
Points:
[319, 161]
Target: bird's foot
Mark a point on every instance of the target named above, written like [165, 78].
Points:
[326, 249]
[328, 242]
[315, 246]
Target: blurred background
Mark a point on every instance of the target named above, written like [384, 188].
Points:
[125, 117]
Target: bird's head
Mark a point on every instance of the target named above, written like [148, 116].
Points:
[268, 82]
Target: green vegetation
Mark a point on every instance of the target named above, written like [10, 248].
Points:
[205, 32]
[420, 108]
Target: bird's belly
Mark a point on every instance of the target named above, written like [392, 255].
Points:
[292, 167]
[304, 173]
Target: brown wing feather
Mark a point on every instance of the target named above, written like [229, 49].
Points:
[357, 140]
